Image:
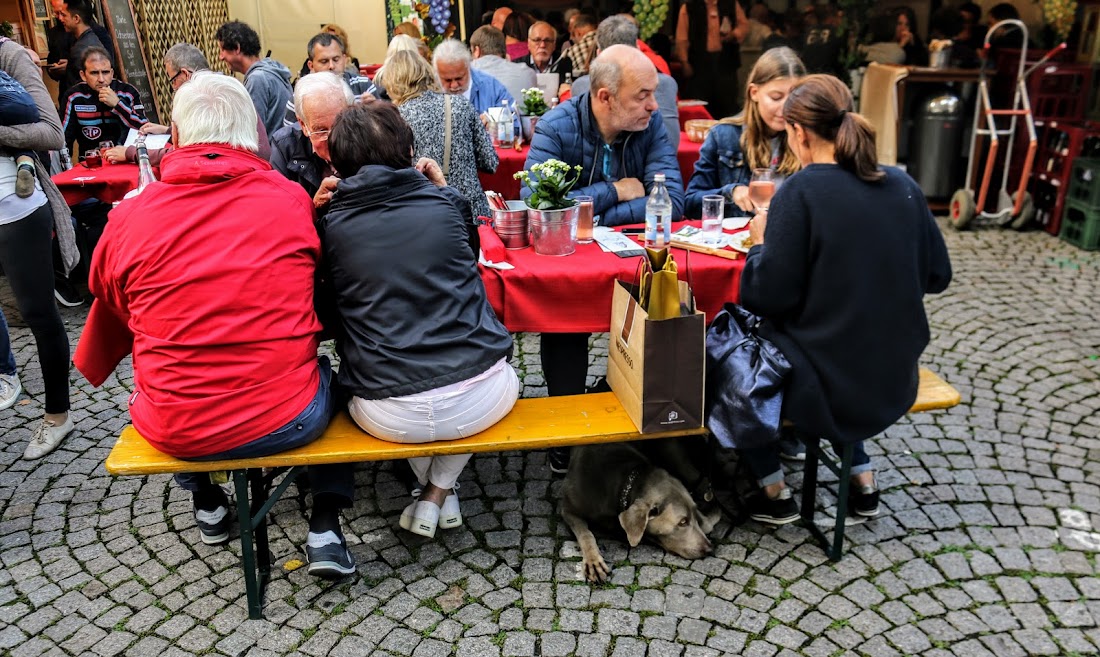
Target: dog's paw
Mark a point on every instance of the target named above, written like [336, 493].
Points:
[596, 570]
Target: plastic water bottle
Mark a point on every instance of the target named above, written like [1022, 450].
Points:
[506, 133]
[66, 160]
[145, 169]
[658, 215]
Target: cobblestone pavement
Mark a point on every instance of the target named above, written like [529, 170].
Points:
[987, 544]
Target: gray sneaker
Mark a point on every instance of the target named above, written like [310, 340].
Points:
[10, 389]
[331, 561]
[47, 437]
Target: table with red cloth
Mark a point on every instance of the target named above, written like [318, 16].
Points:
[108, 183]
[572, 294]
[511, 161]
[693, 112]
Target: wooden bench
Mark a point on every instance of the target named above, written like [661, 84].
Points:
[934, 393]
[536, 423]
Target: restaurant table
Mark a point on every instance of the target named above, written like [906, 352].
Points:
[511, 161]
[572, 294]
[108, 183]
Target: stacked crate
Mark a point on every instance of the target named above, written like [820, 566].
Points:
[1059, 146]
[1081, 218]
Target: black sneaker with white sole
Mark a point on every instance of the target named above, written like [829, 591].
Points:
[213, 525]
[331, 561]
[780, 510]
[863, 501]
[66, 293]
[558, 458]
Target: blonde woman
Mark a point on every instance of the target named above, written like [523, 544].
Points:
[753, 139]
[411, 83]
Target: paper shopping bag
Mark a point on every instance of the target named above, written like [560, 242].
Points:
[656, 367]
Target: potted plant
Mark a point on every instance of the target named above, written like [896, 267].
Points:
[551, 215]
[534, 106]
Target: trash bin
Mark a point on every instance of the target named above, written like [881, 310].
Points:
[934, 150]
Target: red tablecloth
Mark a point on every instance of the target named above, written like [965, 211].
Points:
[691, 112]
[572, 294]
[512, 161]
[108, 183]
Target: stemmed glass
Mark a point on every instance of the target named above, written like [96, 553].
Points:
[762, 188]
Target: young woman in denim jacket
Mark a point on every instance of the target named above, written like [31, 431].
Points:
[753, 139]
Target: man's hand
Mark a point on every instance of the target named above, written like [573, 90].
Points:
[367, 98]
[108, 97]
[757, 225]
[325, 191]
[484, 120]
[629, 189]
[431, 171]
[115, 154]
[154, 129]
[59, 67]
[741, 198]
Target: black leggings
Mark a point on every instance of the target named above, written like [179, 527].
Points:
[27, 259]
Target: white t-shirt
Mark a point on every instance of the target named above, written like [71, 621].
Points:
[13, 208]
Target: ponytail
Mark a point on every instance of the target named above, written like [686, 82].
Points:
[822, 104]
[855, 147]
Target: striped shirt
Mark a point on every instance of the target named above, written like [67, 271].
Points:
[88, 121]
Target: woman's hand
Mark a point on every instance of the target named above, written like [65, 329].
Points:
[430, 169]
[741, 198]
[757, 226]
[115, 154]
[154, 129]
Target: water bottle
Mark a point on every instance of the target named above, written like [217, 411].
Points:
[66, 159]
[506, 133]
[658, 215]
[145, 169]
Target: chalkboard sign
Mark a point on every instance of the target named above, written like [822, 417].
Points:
[133, 67]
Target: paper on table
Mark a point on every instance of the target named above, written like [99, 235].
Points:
[693, 235]
[615, 242]
[735, 223]
[152, 142]
[548, 82]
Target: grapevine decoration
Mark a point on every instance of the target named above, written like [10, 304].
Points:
[1059, 16]
[432, 17]
[651, 15]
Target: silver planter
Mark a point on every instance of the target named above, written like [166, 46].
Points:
[553, 232]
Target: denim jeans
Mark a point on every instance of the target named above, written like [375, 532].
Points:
[764, 461]
[337, 478]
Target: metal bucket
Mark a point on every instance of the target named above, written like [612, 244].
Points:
[554, 232]
[939, 58]
[511, 225]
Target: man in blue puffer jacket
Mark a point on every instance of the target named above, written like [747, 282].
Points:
[615, 134]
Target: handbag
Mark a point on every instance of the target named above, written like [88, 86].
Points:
[446, 135]
[660, 293]
[746, 375]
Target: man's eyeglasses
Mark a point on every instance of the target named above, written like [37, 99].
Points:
[545, 41]
[172, 80]
[316, 135]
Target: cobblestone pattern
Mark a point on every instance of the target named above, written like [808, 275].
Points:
[987, 544]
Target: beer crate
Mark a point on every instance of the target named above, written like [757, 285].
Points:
[1060, 144]
[1084, 182]
[1081, 226]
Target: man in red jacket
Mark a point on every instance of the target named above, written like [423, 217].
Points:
[212, 271]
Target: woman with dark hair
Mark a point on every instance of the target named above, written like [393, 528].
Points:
[515, 31]
[837, 272]
[905, 33]
[422, 353]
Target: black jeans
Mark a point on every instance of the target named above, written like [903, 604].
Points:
[25, 255]
[564, 362]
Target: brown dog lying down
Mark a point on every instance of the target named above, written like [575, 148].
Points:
[616, 487]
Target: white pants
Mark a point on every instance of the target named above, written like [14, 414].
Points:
[448, 413]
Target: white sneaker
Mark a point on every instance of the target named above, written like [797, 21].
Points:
[450, 515]
[47, 437]
[10, 389]
[420, 518]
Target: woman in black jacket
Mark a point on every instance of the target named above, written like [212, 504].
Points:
[421, 350]
[837, 270]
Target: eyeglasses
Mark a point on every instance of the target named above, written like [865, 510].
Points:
[172, 80]
[534, 40]
[316, 135]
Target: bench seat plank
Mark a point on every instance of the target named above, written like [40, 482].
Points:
[534, 423]
[934, 393]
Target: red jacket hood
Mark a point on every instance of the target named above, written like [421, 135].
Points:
[208, 163]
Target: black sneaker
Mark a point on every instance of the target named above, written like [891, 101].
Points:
[863, 501]
[791, 448]
[213, 525]
[66, 293]
[331, 561]
[780, 510]
[558, 457]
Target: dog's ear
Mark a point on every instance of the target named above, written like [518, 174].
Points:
[634, 521]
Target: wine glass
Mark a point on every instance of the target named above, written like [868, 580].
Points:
[762, 188]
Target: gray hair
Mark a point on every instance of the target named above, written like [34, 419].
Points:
[605, 73]
[322, 83]
[617, 30]
[451, 51]
[215, 109]
[186, 56]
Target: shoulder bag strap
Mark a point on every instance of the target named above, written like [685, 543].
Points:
[446, 135]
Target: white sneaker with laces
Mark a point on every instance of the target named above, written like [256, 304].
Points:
[47, 437]
[10, 389]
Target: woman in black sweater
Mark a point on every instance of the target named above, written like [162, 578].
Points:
[838, 271]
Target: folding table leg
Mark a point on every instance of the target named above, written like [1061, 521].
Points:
[809, 481]
[259, 523]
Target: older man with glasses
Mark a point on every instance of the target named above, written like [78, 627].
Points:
[541, 40]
